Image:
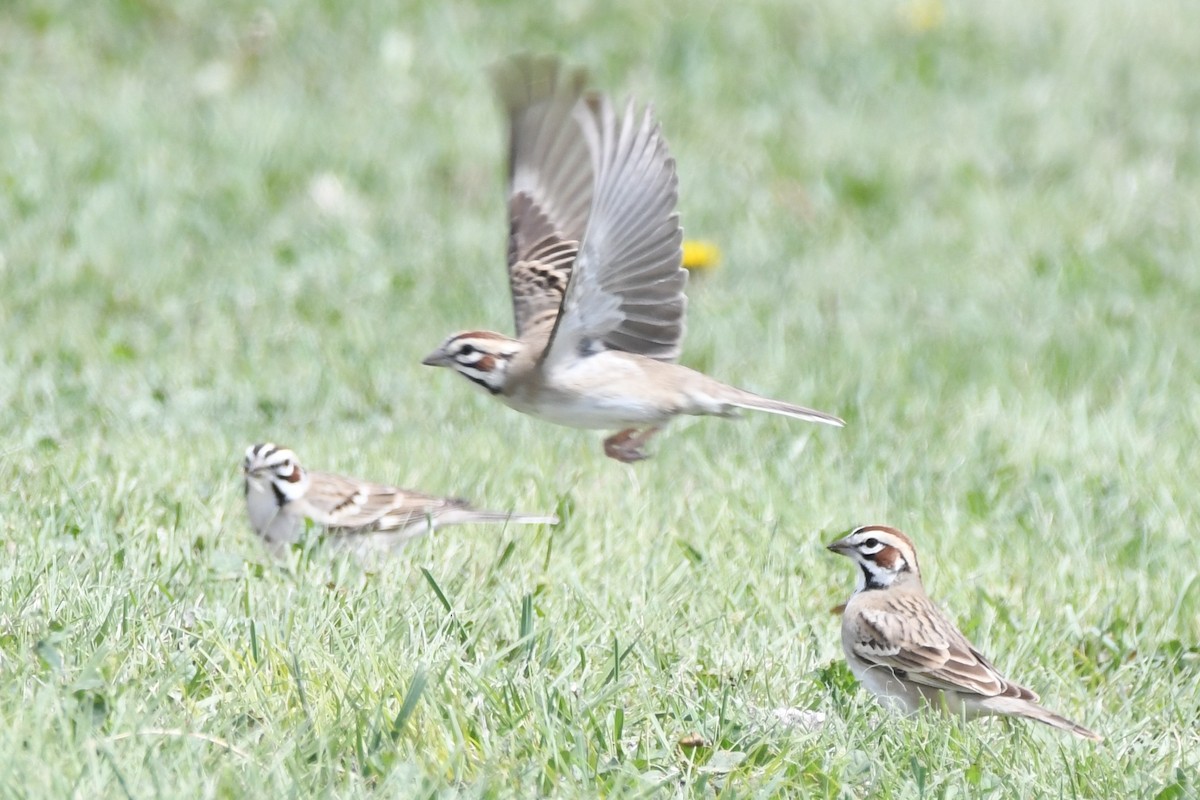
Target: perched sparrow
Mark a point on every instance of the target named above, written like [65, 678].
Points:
[281, 495]
[594, 263]
[908, 653]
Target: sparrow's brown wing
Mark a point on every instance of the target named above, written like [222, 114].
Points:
[345, 505]
[550, 185]
[626, 290]
[912, 635]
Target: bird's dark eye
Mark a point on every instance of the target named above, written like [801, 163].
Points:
[467, 350]
[871, 543]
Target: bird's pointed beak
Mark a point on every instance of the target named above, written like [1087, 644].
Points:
[436, 359]
[840, 547]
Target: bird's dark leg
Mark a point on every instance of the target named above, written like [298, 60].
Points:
[626, 446]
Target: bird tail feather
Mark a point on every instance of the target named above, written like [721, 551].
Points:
[754, 402]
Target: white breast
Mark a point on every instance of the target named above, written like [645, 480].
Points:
[269, 520]
[605, 391]
[892, 693]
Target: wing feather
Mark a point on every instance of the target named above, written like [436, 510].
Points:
[550, 183]
[921, 642]
[627, 286]
[347, 506]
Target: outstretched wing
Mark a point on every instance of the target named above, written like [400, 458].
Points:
[550, 184]
[626, 289]
[347, 506]
[921, 642]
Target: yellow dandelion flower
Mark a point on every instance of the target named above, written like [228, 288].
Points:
[923, 15]
[700, 255]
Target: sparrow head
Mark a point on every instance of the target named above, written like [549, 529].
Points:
[268, 468]
[885, 555]
[481, 357]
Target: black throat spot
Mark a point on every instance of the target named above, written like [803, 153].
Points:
[481, 382]
[280, 498]
[870, 581]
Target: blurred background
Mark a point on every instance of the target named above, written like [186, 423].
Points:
[971, 230]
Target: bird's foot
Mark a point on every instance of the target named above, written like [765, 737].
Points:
[627, 445]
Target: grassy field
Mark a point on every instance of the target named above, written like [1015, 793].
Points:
[973, 234]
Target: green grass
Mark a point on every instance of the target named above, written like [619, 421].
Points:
[977, 242]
